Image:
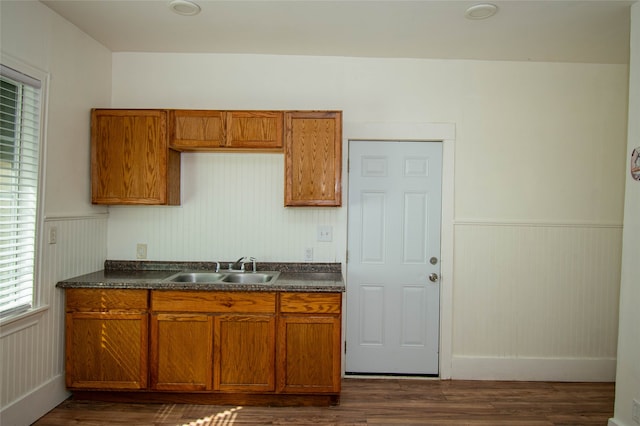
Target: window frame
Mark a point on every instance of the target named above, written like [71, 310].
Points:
[14, 322]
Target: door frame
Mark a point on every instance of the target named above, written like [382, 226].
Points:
[431, 132]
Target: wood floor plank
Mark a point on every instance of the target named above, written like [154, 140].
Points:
[376, 402]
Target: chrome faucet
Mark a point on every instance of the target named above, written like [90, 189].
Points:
[237, 265]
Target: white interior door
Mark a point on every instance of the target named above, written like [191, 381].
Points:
[393, 261]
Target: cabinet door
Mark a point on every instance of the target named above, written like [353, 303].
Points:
[313, 158]
[130, 159]
[244, 353]
[255, 129]
[196, 129]
[203, 130]
[181, 352]
[106, 350]
[309, 354]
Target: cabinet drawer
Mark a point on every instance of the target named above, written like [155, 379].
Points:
[326, 303]
[215, 301]
[93, 299]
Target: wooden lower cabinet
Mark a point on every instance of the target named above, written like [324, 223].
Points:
[199, 344]
[106, 339]
[213, 341]
[309, 343]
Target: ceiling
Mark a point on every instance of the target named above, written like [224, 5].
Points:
[544, 30]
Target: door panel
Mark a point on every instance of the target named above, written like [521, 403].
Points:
[373, 213]
[371, 315]
[393, 232]
[413, 321]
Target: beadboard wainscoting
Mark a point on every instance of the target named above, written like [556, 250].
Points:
[536, 301]
[32, 357]
[232, 205]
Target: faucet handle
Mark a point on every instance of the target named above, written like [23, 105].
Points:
[253, 261]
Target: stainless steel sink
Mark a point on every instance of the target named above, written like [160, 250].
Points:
[196, 277]
[224, 277]
[248, 278]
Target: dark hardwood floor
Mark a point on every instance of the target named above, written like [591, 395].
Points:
[377, 402]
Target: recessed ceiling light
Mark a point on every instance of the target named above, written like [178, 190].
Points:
[481, 11]
[184, 7]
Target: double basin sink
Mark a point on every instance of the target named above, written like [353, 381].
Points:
[230, 277]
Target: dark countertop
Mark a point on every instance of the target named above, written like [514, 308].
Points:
[305, 277]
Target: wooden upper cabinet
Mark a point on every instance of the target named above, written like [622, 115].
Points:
[131, 162]
[313, 158]
[255, 129]
[193, 129]
[204, 130]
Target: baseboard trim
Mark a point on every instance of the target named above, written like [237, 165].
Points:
[35, 404]
[614, 422]
[534, 369]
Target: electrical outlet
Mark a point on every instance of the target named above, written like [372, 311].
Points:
[325, 233]
[308, 254]
[141, 251]
[635, 411]
[53, 235]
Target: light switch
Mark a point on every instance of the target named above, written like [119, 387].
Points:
[325, 233]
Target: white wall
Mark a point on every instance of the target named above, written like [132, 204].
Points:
[32, 358]
[628, 373]
[538, 167]
[538, 189]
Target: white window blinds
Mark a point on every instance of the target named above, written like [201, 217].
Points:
[19, 167]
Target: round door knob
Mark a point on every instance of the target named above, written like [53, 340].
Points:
[433, 277]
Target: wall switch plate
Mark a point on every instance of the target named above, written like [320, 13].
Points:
[635, 411]
[308, 254]
[53, 235]
[141, 251]
[325, 233]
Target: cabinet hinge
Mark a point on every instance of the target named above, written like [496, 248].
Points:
[345, 346]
